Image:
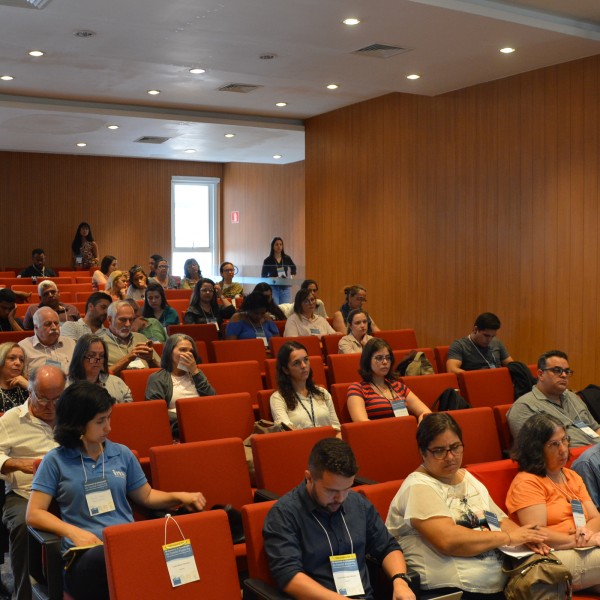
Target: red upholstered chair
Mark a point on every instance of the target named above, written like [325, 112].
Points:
[385, 449]
[238, 350]
[182, 294]
[280, 459]
[339, 397]
[380, 495]
[441, 356]
[488, 387]
[280, 326]
[429, 387]
[310, 342]
[534, 370]
[206, 332]
[215, 417]
[399, 339]
[316, 364]
[137, 379]
[14, 336]
[497, 477]
[504, 434]
[343, 368]
[575, 453]
[135, 562]
[330, 343]
[480, 435]
[232, 377]
[264, 405]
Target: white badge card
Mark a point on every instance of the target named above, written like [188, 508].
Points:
[346, 575]
[260, 335]
[399, 408]
[314, 332]
[213, 321]
[586, 429]
[280, 272]
[98, 496]
[181, 563]
[136, 363]
[492, 520]
[53, 363]
[578, 514]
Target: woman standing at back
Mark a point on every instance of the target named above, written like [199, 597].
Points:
[279, 264]
[83, 248]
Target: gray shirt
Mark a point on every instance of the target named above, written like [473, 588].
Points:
[474, 357]
[77, 329]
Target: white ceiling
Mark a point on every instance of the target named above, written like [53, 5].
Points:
[81, 85]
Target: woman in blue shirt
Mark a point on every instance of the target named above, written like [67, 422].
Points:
[252, 321]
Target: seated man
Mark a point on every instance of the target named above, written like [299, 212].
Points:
[588, 466]
[26, 433]
[8, 321]
[316, 525]
[50, 296]
[126, 350]
[38, 267]
[96, 308]
[47, 346]
[480, 349]
[550, 395]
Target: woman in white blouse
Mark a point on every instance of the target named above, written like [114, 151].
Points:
[298, 402]
[305, 321]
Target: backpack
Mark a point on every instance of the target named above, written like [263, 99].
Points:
[538, 578]
[591, 396]
[522, 378]
[414, 363]
[450, 399]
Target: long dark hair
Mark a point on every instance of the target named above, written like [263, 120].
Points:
[134, 271]
[272, 253]
[106, 262]
[76, 368]
[76, 244]
[147, 311]
[272, 308]
[301, 296]
[284, 381]
[372, 346]
[197, 294]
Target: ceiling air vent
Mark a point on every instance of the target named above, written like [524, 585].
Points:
[152, 139]
[240, 88]
[381, 51]
[25, 3]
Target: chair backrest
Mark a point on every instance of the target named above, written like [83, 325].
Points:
[399, 339]
[215, 417]
[180, 305]
[504, 434]
[533, 370]
[137, 379]
[497, 477]
[182, 294]
[380, 495]
[479, 433]
[385, 449]
[280, 459]
[316, 364]
[264, 404]
[206, 332]
[429, 387]
[339, 397]
[237, 350]
[441, 356]
[232, 377]
[330, 343]
[400, 355]
[488, 387]
[280, 326]
[141, 425]
[14, 336]
[135, 562]
[202, 349]
[343, 368]
[217, 468]
[310, 342]
[253, 518]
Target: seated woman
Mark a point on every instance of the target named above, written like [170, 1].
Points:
[157, 307]
[380, 395]
[116, 286]
[229, 289]
[273, 309]
[191, 274]
[298, 402]
[542, 496]
[83, 456]
[138, 282]
[100, 276]
[358, 324]
[13, 386]
[305, 321]
[162, 275]
[90, 363]
[148, 326]
[204, 305]
[179, 376]
[356, 295]
[252, 322]
[307, 284]
[438, 514]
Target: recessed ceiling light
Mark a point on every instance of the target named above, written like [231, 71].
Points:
[189, 151]
[112, 127]
[154, 92]
[230, 135]
[507, 50]
[277, 156]
[281, 104]
[36, 53]
[333, 86]
[81, 144]
[351, 21]
[197, 71]
[413, 76]
[6, 77]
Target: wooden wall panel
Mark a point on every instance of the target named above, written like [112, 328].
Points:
[481, 199]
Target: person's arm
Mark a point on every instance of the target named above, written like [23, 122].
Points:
[394, 563]
[416, 407]
[356, 406]
[202, 384]
[14, 324]
[590, 474]
[234, 328]
[507, 360]
[291, 327]
[303, 587]
[537, 516]
[338, 323]
[124, 361]
[155, 499]
[279, 410]
[453, 366]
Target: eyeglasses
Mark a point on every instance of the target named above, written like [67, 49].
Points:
[441, 453]
[207, 290]
[381, 359]
[556, 444]
[44, 401]
[559, 371]
[95, 359]
[228, 270]
[162, 267]
[308, 301]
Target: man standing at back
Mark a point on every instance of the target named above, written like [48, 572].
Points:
[318, 535]
[480, 349]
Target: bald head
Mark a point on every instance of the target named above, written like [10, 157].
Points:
[46, 384]
[46, 325]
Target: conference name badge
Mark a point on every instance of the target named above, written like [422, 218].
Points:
[98, 496]
[346, 575]
[181, 563]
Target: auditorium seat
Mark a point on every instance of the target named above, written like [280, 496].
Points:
[441, 356]
[310, 342]
[136, 380]
[232, 377]
[504, 434]
[264, 406]
[398, 339]
[339, 396]
[380, 495]
[14, 336]
[238, 350]
[487, 387]
[343, 368]
[330, 343]
[429, 387]
[497, 477]
[206, 332]
[178, 295]
[479, 433]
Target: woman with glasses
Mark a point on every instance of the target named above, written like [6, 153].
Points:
[13, 386]
[439, 515]
[547, 495]
[90, 363]
[192, 274]
[204, 305]
[356, 296]
[380, 394]
[305, 320]
[138, 281]
[229, 289]
[298, 402]
[162, 276]
[357, 338]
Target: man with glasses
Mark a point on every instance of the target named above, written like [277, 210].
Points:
[26, 434]
[50, 296]
[93, 321]
[550, 395]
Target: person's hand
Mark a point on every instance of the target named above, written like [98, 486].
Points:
[25, 465]
[527, 534]
[19, 380]
[217, 290]
[142, 351]
[194, 502]
[81, 537]
[542, 549]
[189, 362]
[586, 537]
[402, 591]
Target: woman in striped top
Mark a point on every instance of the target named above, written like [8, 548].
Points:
[380, 395]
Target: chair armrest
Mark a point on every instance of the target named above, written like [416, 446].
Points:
[45, 563]
[259, 590]
[358, 480]
[263, 495]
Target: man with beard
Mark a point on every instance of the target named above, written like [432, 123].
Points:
[96, 309]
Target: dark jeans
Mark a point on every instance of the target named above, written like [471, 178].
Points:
[86, 578]
[13, 517]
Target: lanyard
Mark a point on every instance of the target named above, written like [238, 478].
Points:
[491, 365]
[83, 465]
[328, 540]
[311, 414]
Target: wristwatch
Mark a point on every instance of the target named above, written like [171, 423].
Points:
[402, 576]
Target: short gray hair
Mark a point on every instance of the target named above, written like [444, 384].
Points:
[47, 283]
[37, 315]
[111, 313]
